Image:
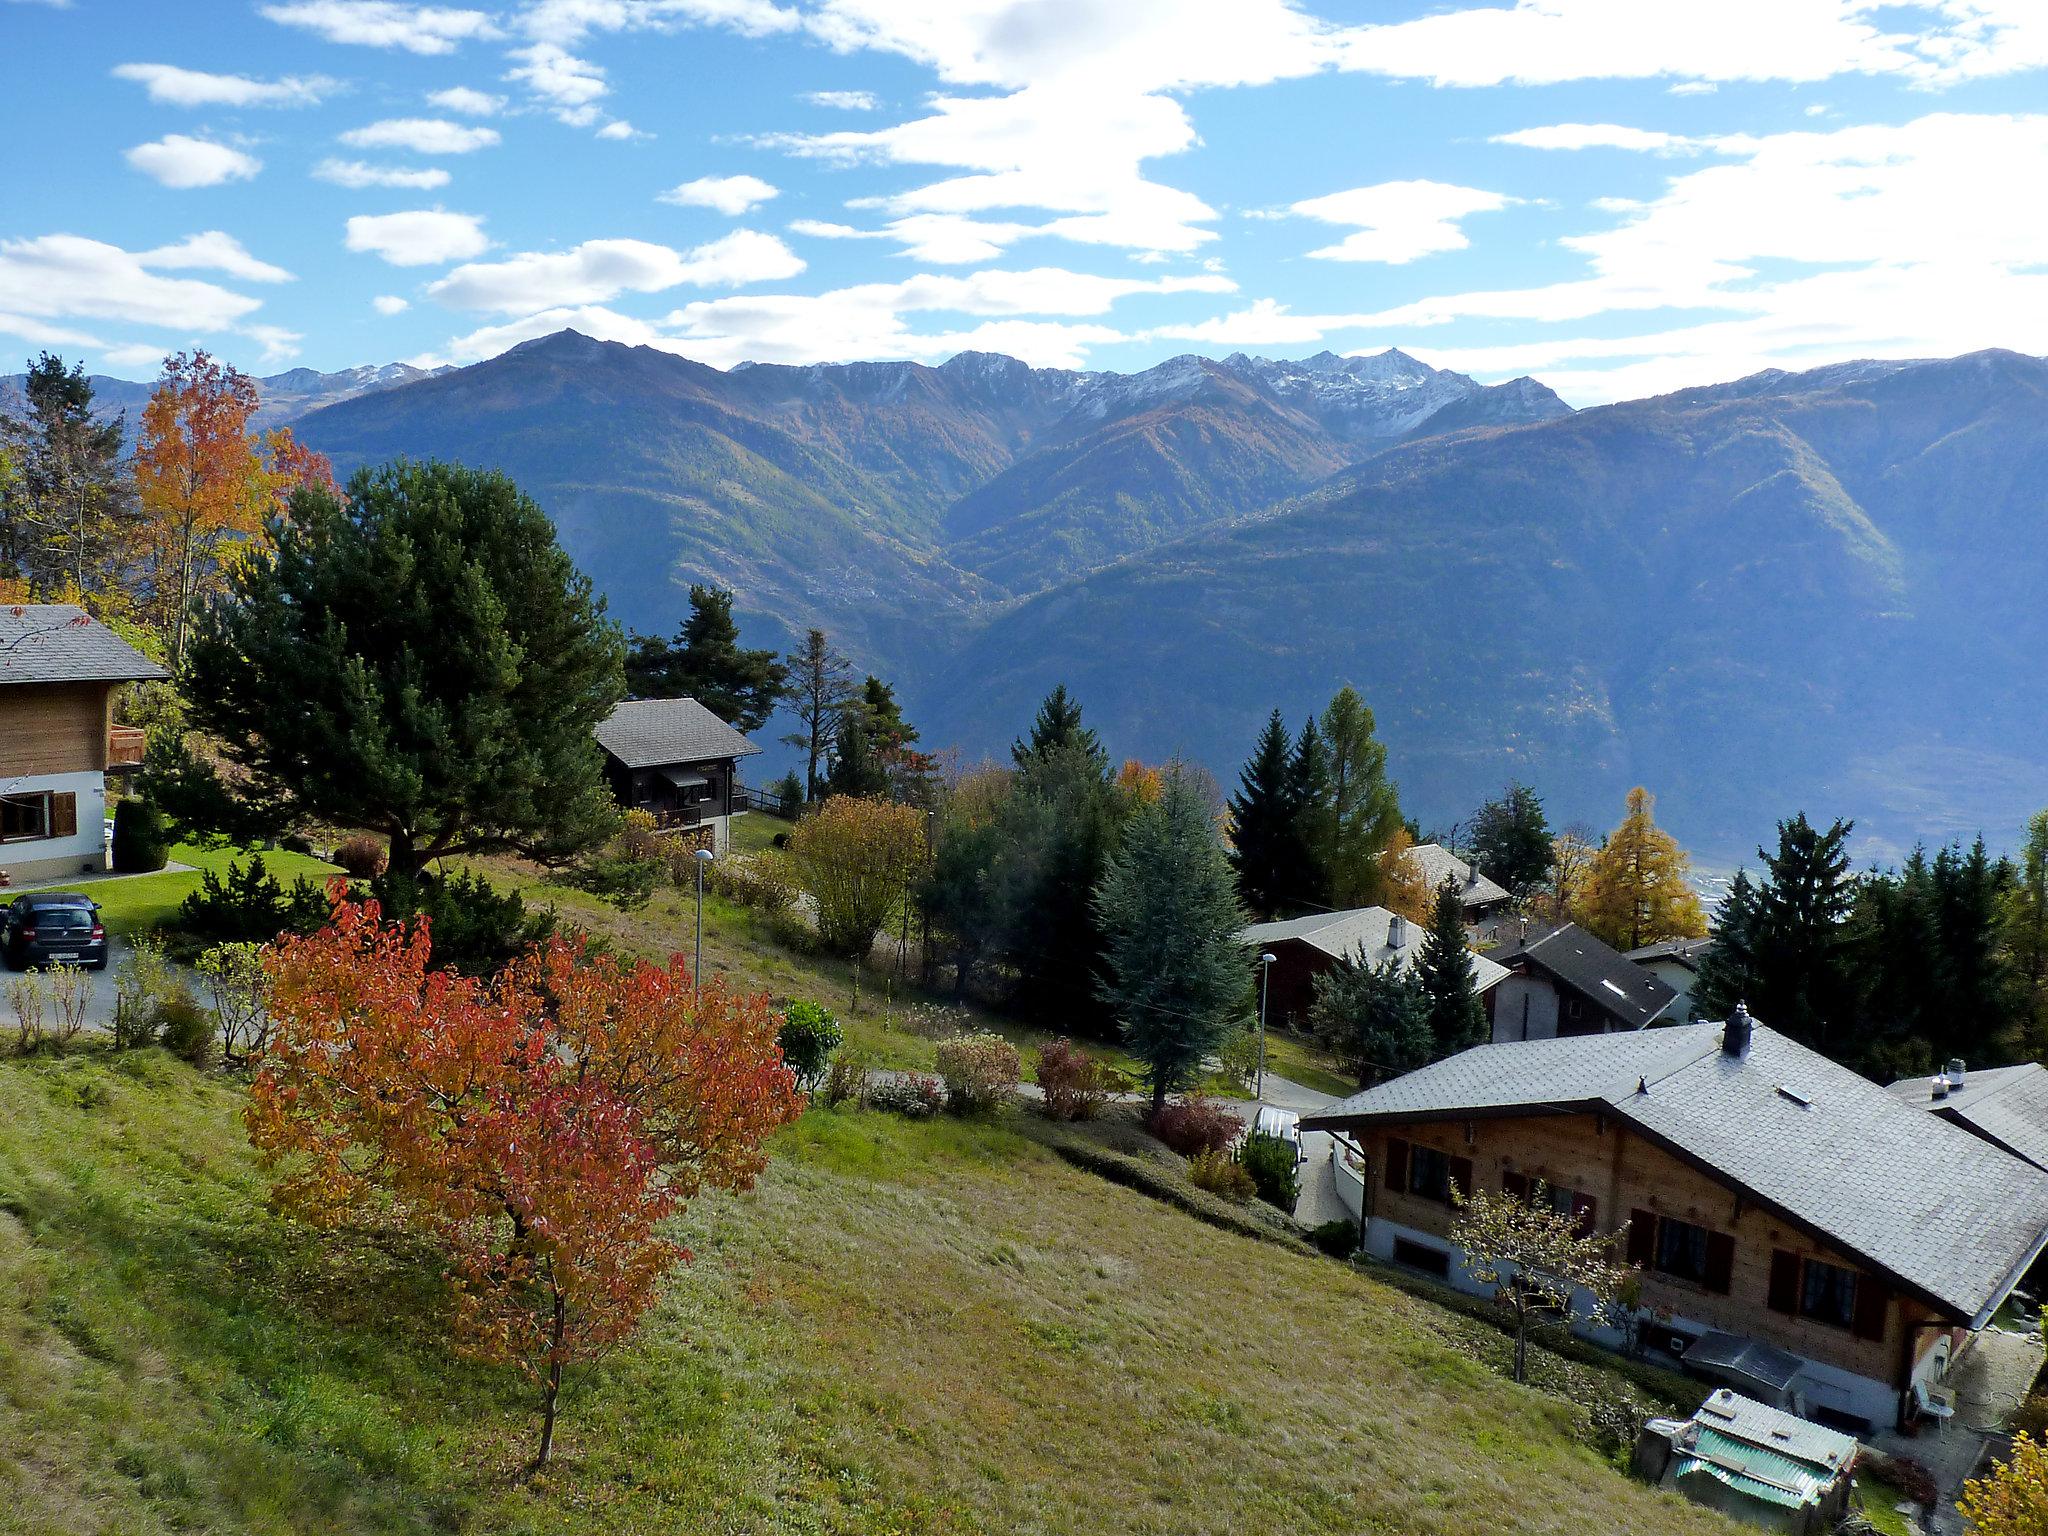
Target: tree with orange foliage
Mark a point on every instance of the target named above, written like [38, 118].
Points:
[202, 480]
[1140, 783]
[1404, 887]
[290, 464]
[538, 1127]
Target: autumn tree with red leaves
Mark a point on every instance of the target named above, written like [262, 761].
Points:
[538, 1127]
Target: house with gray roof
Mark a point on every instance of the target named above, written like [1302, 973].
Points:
[1482, 899]
[677, 761]
[60, 669]
[1303, 948]
[1563, 981]
[1767, 1195]
[2006, 1106]
[1676, 963]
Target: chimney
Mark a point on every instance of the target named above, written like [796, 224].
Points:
[1522, 929]
[1735, 1034]
[1472, 875]
[1954, 1074]
[1397, 932]
[1938, 1088]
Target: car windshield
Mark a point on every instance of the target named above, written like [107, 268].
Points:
[61, 919]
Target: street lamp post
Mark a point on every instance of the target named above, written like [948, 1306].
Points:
[1265, 976]
[703, 858]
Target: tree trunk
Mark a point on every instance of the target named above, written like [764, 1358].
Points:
[1521, 1345]
[403, 859]
[554, 1384]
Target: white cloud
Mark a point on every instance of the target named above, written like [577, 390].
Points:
[176, 87]
[558, 76]
[844, 101]
[278, 344]
[359, 173]
[621, 129]
[57, 277]
[730, 195]
[422, 135]
[214, 251]
[568, 22]
[178, 160]
[1264, 323]
[468, 101]
[941, 239]
[389, 304]
[1399, 221]
[592, 320]
[424, 29]
[600, 270]
[133, 354]
[419, 238]
[1596, 136]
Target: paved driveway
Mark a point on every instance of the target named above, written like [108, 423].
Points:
[100, 1011]
[1319, 1200]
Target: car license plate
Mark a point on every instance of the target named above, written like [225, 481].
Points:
[64, 959]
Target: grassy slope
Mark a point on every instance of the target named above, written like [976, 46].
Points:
[906, 1328]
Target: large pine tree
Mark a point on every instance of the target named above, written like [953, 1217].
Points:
[1364, 807]
[1444, 968]
[1057, 724]
[1262, 823]
[1175, 974]
[1510, 840]
[1313, 821]
[820, 690]
[706, 662]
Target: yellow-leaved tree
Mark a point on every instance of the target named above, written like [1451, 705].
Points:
[1403, 885]
[1635, 889]
[2012, 1498]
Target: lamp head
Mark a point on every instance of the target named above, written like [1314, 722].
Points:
[1268, 958]
[705, 856]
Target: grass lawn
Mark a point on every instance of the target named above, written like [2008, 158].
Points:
[1298, 1060]
[138, 902]
[907, 1328]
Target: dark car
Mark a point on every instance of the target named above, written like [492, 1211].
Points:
[54, 928]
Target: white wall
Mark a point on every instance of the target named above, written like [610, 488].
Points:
[52, 858]
[1680, 979]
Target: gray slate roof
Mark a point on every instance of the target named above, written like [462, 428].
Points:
[2007, 1106]
[1593, 969]
[1439, 864]
[1686, 952]
[59, 643]
[1947, 1216]
[654, 733]
[1362, 933]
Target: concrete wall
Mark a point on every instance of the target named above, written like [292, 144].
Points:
[55, 858]
[1524, 1008]
[1680, 979]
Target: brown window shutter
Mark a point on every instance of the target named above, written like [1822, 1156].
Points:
[1873, 1302]
[1642, 1238]
[64, 815]
[1585, 1215]
[1397, 1165]
[1515, 1185]
[1461, 1179]
[1720, 1262]
[1784, 1282]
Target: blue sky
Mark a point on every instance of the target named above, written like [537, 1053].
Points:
[1617, 196]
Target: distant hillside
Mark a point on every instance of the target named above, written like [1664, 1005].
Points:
[284, 396]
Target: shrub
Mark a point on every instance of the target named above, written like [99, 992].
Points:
[1613, 1421]
[251, 906]
[753, 883]
[141, 844]
[915, 1095]
[70, 994]
[1238, 1058]
[626, 867]
[363, 857]
[1221, 1174]
[1339, 1238]
[477, 929]
[936, 1021]
[241, 999]
[1194, 1125]
[1270, 1162]
[185, 1028]
[980, 1071]
[2032, 1418]
[296, 842]
[847, 1081]
[1075, 1084]
[809, 1037]
[142, 981]
[1902, 1473]
[25, 992]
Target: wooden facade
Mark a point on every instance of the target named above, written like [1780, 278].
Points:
[53, 728]
[1751, 1270]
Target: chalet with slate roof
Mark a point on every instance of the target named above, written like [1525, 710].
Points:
[1821, 1243]
[679, 762]
[1484, 901]
[1563, 981]
[1676, 963]
[1304, 947]
[2006, 1106]
[59, 671]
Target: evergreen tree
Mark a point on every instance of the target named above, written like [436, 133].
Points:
[1365, 809]
[705, 662]
[1728, 970]
[1636, 891]
[2025, 932]
[68, 495]
[1374, 1020]
[1313, 821]
[1067, 798]
[819, 691]
[887, 728]
[420, 658]
[1058, 724]
[856, 769]
[1444, 969]
[1262, 836]
[1797, 935]
[1510, 840]
[1175, 974]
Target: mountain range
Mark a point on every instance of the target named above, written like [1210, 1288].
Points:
[1814, 591]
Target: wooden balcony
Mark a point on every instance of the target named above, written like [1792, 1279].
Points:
[125, 746]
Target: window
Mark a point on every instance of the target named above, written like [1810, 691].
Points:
[30, 817]
[1426, 1172]
[1433, 1261]
[1682, 1250]
[1566, 1202]
[1828, 1294]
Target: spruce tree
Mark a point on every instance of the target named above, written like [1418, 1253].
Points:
[1057, 724]
[1175, 973]
[887, 728]
[1457, 1019]
[1728, 972]
[2025, 932]
[1373, 1019]
[1365, 808]
[1798, 935]
[1262, 823]
[1312, 816]
[1510, 840]
[1067, 799]
[706, 662]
